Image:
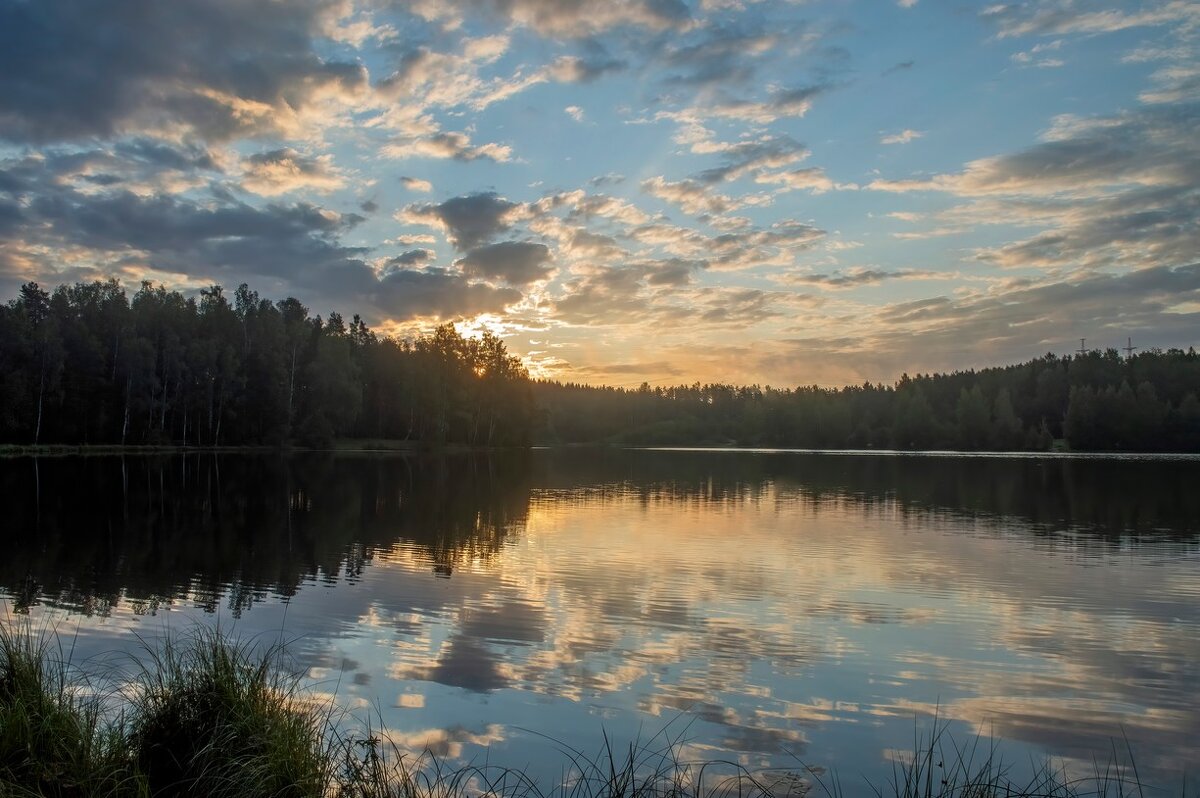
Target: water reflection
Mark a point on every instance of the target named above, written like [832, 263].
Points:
[773, 606]
[91, 531]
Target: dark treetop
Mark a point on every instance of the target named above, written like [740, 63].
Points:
[86, 365]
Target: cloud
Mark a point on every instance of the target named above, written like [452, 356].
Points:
[140, 166]
[182, 68]
[416, 184]
[749, 157]
[1114, 192]
[724, 54]
[411, 257]
[693, 196]
[857, 276]
[573, 69]
[813, 179]
[451, 145]
[297, 247]
[281, 171]
[575, 112]
[1057, 17]
[1009, 324]
[514, 262]
[1151, 146]
[1031, 57]
[781, 104]
[438, 293]
[469, 220]
[1134, 229]
[903, 137]
[570, 20]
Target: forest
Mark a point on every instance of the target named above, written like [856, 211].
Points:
[85, 364]
[1094, 401]
[88, 365]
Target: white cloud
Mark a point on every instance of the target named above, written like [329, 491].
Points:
[903, 137]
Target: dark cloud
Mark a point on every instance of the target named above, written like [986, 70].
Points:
[752, 157]
[186, 157]
[1157, 305]
[1118, 191]
[740, 307]
[1154, 145]
[469, 220]
[465, 663]
[516, 621]
[73, 69]
[611, 179]
[723, 55]
[573, 69]
[610, 296]
[779, 104]
[411, 258]
[1149, 227]
[638, 292]
[404, 294]
[141, 164]
[900, 67]
[673, 271]
[297, 247]
[515, 262]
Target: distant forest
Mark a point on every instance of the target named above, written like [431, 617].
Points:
[86, 364]
[1097, 401]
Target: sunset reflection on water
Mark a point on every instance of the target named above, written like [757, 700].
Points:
[768, 608]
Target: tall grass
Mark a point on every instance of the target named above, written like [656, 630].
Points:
[209, 716]
[213, 717]
[54, 738]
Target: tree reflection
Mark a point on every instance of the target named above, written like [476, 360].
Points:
[231, 529]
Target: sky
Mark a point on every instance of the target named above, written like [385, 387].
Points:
[668, 191]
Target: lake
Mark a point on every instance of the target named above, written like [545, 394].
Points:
[777, 609]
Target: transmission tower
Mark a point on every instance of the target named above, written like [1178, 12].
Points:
[1129, 348]
[1082, 346]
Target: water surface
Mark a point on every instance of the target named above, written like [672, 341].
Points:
[769, 608]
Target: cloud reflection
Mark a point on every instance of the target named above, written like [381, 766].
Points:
[779, 603]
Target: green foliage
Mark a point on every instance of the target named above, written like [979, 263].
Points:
[87, 365]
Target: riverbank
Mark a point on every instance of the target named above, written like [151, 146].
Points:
[209, 716]
[339, 445]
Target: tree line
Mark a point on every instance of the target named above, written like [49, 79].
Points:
[1095, 401]
[86, 364]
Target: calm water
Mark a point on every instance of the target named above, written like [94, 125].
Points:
[771, 608]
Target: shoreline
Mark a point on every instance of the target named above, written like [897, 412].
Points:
[346, 445]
